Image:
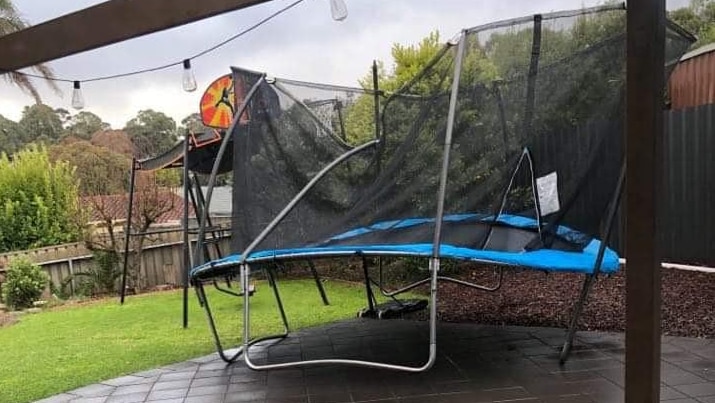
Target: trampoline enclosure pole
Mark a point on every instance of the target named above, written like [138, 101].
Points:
[448, 146]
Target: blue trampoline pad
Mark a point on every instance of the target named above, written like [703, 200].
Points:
[542, 259]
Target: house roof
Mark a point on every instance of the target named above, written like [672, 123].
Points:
[116, 206]
[221, 200]
[699, 51]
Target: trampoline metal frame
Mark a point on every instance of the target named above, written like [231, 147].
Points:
[434, 260]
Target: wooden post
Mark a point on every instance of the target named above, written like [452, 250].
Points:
[644, 144]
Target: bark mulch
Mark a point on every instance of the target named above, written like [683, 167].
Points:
[532, 298]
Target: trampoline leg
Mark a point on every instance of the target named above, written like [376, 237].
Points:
[203, 301]
[434, 267]
[274, 285]
[318, 284]
[578, 308]
[212, 325]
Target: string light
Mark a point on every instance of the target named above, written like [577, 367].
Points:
[188, 81]
[77, 98]
[338, 10]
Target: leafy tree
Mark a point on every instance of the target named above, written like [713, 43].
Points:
[38, 201]
[151, 132]
[193, 124]
[11, 21]
[698, 18]
[99, 170]
[84, 124]
[10, 136]
[115, 140]
[40, 123]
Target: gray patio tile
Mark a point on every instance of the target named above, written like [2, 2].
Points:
[697, 389]
[178, 400]
[102, 399]
[247, 396]
[168, 394]
[474, 364]
[62, 398]
[668, 393]
[130, 398]
[125, 380]
[207, 390]
[218, 398]
[95, 390]
[181, 384]
[129, 389]
[210, 381]
[176, 376]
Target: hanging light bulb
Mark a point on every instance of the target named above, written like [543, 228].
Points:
[338, 10]
[188, 81]
[77, 98]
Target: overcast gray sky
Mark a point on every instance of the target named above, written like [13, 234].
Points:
[302, 44]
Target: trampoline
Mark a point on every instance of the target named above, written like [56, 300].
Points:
[506, 149]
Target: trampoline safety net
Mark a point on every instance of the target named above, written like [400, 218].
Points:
[535, 152]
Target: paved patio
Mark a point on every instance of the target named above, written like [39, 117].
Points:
[475, 364]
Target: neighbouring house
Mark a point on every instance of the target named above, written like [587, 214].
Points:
[166, 208]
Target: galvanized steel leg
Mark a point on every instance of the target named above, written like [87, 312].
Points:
[434, 267]
[578, 308]
[318, 284]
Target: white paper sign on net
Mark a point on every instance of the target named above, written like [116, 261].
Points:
[547, 188]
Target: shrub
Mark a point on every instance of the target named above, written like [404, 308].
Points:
[24, 283]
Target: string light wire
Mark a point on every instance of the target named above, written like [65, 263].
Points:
[181, 62]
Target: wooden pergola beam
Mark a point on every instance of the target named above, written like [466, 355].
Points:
[104, 24]
[644, 148]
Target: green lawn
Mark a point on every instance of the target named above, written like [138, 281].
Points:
[69, 347]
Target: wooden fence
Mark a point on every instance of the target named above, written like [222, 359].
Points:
[161, 259]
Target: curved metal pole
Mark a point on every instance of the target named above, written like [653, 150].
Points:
[214, 171]
[217, 340]
[127, 230]
[416, 284]
[287, 209]
[434, 267]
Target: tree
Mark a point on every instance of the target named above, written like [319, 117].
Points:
[193, 124]
[698, 18]
[38, 201]
[99, 170]
[10, 21]
[10, 136]
[84, 124]
[151, 132]
[40, 123]
[115, 140]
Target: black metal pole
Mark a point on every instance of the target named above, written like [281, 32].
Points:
[127, 230]
[185, 222]
[376, 101]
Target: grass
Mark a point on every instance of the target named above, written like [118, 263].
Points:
[65, 348]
